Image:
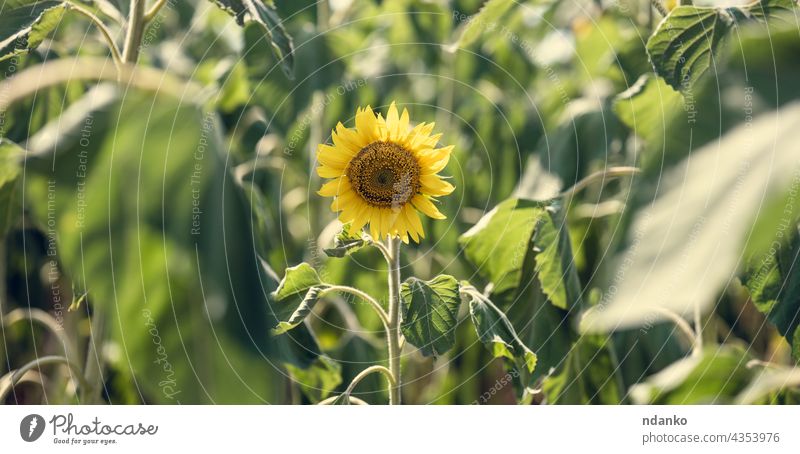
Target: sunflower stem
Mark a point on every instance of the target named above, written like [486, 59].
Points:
[394, 320]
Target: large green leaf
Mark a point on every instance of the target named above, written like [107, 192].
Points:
[685, 43]
[263, 14]
[497, 333]
[300, 313]
[429, 313]
[501, 241]
[773, 279]
[25, 24]
[687, 243]
[716, 376]
[143, 226]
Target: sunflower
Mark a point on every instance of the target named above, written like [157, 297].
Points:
[382, 172]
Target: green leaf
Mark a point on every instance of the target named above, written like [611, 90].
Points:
[586, 375]
[687, 242]
[500, 242]
[345, 243]
[297, 279]
[429, 313]
[169, 237]
[649, 108]
[11, 155]
[684, 45]
[299, 314]
[263, 14]
[554, 264]
[25, 24]
[472, 27]
[773, 280]
[498, 335]
[716, 376]
[318, 380]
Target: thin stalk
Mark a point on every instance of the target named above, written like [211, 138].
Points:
[364, 373]
[394, 320]
[133, 37]
[602, 175]
[360, 294]
[683, 327]
[103, 30]
[153, 11]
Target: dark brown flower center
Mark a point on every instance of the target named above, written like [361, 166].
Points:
[384, 174]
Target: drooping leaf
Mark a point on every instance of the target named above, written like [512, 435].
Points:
[555, 268]
[345, 243]
[429, 313]
[684, 45]
[648, 108]
[299, 314]
[263, 14]
[318, 380]
[498, 335]
[716, 376]
[773, 280]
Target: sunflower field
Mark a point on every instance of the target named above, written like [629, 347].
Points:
[399, 201]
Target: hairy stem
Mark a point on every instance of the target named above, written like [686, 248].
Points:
[370, 370]
[103, 30]
[133, 37]
[394, 320]
[151, 13]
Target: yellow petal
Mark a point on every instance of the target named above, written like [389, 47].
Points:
[366, 124]
[435, 186]
[329, 172]
[347, 140]
[335, 187]
[392, 121]
[402, 126]
[414, 224]
[332, 157]
[425, 205]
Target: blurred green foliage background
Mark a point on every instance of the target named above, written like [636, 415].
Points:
[171, 212]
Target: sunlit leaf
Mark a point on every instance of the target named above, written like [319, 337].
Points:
[685, 43]
[678, 257]
[25, 24]
[713, 377]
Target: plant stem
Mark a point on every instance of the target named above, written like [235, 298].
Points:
[151, 13]
[370, 370]
[133, 37]
[394, 319]
[358, 293]
[103, 30]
